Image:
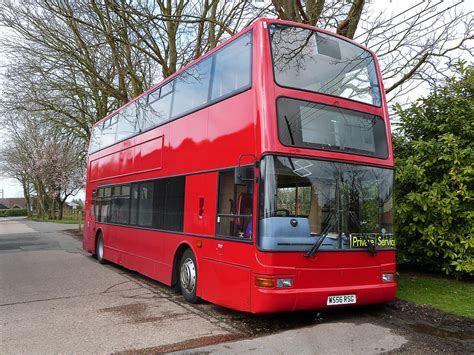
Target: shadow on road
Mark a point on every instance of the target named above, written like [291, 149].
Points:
[428, 329]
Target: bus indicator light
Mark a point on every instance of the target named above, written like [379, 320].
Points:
[267, 283]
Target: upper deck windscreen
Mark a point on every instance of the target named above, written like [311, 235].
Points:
[312, 125]
[314, 61]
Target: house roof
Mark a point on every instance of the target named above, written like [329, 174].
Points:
[15, 202]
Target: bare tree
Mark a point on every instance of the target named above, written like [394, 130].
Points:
[170, 33]
[76, 61]
[14, 164]
[58, 166]
[343, 15]
[175, 33]
[413, 45]
[419, 44]
[70, 71]
[46, 162]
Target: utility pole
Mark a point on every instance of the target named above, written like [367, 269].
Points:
[1, 193]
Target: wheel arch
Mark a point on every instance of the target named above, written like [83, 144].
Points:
[176, 260]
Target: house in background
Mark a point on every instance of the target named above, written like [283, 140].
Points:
[10, 203]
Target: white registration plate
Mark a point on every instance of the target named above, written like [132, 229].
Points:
[341, 299]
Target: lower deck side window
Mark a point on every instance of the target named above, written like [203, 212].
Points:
[157, 204]
[234, 217]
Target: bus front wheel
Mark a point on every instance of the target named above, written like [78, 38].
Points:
[99, 249]
[188, 276]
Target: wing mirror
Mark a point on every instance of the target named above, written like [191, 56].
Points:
[244, 173]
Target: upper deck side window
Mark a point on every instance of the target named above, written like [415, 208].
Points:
[96, 137]
[158, 108]
[127, 122]
[314, 61]
[109, 131]
[192, 88]
[225, 73]
[232, 70]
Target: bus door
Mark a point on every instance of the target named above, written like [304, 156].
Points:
[90, 216]
[228, 257]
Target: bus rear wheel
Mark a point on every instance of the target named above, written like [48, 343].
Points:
[99, 249]
[188, 276]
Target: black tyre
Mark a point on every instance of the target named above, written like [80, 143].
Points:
[99, 248]
[188, 276]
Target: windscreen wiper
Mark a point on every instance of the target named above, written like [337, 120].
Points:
[319, 242]
[290, 131]
[370, 246]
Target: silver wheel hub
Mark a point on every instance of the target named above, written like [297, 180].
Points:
[188, 275]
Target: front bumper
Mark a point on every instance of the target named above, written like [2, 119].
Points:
[282, 300]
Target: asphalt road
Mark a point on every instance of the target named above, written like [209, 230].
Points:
[54, 298]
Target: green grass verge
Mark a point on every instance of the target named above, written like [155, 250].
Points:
[448, 295]
[65, 220]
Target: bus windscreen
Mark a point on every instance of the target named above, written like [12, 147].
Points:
[303, 201]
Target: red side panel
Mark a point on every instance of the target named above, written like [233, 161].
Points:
[225, 284]
[200, 204]
[146, 156]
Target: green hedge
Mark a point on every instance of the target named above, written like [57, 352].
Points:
[14, 212]
[434, 183]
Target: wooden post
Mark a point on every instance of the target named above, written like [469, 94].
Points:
[80, 221]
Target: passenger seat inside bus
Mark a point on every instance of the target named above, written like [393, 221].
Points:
[244, 207]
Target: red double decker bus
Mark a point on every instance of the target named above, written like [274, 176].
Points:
[259, 177]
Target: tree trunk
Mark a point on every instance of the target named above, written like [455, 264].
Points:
[26, 193]
[61, 210]
[40, 201]
[348, 27]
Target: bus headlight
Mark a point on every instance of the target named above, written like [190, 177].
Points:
[387, 277]
[283, 283]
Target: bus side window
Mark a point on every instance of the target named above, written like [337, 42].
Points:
[96, 138]
[145, 203]
[127, 122]
[158, 108]
[232, 70]
[93, 203]
[120, 204]
[109, 131]
[134, 204]
[192, 88]
[98, 201]
[105, 205]
[234, 218]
